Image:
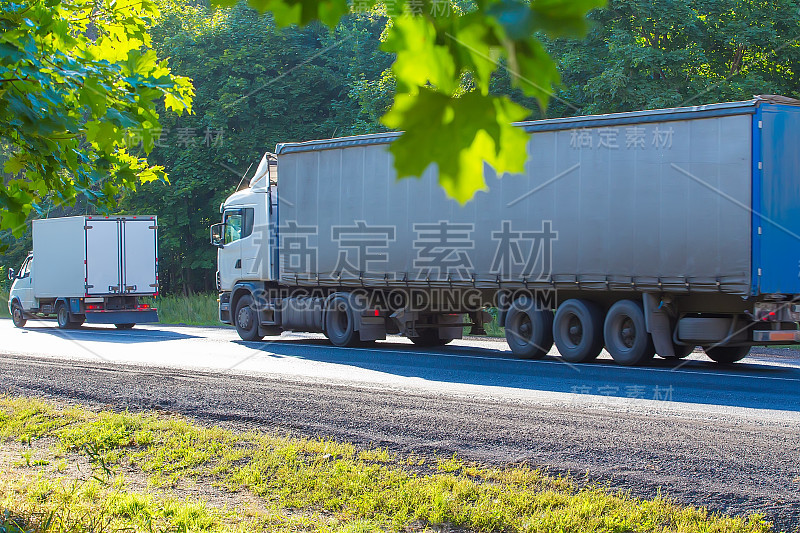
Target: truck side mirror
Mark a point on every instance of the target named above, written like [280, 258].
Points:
[11, 274]
[218, 235]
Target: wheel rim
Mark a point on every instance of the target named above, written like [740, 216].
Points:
[63, 317]
[17, 314]
[525, 328]
[574, 331]
[627, 333]
[243, 318]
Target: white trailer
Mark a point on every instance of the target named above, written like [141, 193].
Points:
[88, 269]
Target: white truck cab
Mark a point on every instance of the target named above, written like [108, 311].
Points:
[245, 238]
[21, 290]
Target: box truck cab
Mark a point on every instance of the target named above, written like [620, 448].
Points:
[88, 269]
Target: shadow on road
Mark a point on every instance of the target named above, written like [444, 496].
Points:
[109, 334]
[752, 384]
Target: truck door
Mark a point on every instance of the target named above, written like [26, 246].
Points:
[103, 256]
[22, 289]
[139, 259]
[229, 257]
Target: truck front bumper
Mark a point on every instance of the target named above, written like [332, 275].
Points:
[225, 307]
[137, 316]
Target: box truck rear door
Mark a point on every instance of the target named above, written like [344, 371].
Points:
[140, 270]
[102, 256]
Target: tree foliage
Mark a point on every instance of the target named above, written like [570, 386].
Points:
[260, 84]
[445, 55]
[75, 77]
[646, 54]
[257, 85]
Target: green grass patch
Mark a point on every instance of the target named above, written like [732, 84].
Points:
[194, 310]
[4, 310]
[297, 484]
[201, 310]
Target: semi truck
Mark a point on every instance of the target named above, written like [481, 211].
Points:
[641, 233]
[93, 269]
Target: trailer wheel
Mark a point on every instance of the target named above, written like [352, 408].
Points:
[62, 316]
[626, 336]
[578, 330]
[340, 323]
[429, 338]
[529, 332]
[18, 315]
[124, 326]
[246, 319]
[726, 354]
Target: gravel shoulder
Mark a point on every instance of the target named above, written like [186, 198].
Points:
[736, 465]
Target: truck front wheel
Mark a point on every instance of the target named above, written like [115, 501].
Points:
[17, 315]
[246, 319]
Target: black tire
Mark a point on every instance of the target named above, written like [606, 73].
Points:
[77, 321]
[726, 355]
[429, 338]
[681, 351]
[340, 322]
[124, 326]
[246, 319]
[62, 316]
[626, 336]
[18, 315]
[529, 332]
[578, 330]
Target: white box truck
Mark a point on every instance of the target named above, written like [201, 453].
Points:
[644, 232]
[90, 269]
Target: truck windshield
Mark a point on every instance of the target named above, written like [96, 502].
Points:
[25, 269]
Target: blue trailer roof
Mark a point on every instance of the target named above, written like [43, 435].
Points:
[611, 119]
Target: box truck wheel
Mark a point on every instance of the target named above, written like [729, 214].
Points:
[429, 337]
[246, 319]
[727, 354]
[626, 336]
[17, 315]
[62, 316]
[340, 322]
[529, 331]
[578, 330]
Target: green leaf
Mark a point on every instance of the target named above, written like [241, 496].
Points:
[459, 135]
[420, 60]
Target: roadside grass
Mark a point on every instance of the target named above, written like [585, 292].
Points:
[201, 310]
[195, 310]
[138, 466]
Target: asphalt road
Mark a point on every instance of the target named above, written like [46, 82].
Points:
[723, 437]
